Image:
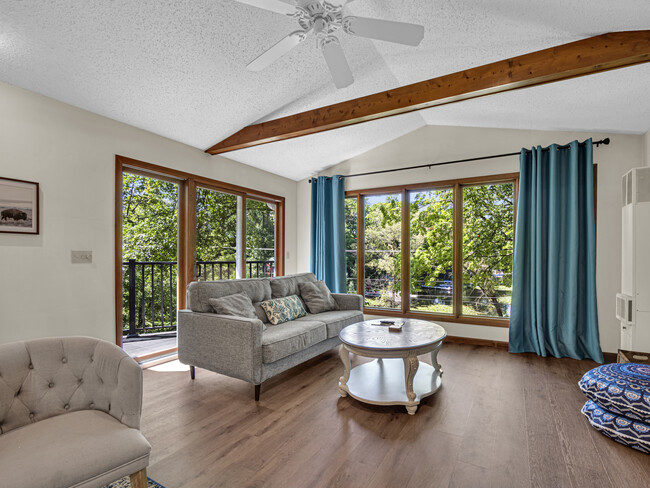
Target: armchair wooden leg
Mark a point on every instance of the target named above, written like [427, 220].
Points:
[192, 372]
[139, 479]
[257, 392]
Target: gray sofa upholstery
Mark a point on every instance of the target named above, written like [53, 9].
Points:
[251, 349]
[69, 414]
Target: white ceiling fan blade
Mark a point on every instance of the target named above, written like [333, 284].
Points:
[277, 51]
[338, 65]
[384, 30]
[272, 5]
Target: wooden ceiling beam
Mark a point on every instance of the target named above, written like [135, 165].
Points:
[584, 57]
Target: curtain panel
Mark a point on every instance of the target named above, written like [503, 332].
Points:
[328, 231]
[554, 308]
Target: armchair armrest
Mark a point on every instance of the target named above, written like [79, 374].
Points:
[347, 301]
[221, 343]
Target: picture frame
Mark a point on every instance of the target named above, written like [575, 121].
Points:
[19, 206]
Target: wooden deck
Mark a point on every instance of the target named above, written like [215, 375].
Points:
[499, 420]
[145, 348]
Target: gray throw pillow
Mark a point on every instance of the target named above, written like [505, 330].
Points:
[239, 305]
[317, 297]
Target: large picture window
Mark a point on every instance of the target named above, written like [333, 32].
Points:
[432, 250]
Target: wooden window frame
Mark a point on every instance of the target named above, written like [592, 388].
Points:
[405, 190]
[187, 183]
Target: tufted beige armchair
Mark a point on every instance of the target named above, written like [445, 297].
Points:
[70, 415]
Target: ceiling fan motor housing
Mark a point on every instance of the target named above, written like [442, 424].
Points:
[323, 17]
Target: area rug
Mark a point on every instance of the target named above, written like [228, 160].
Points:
[125, 483]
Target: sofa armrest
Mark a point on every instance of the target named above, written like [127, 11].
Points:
[347, 301]
[221, 343]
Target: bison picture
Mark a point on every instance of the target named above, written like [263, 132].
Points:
[13, 213]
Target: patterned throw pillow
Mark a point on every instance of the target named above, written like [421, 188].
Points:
[283, 309]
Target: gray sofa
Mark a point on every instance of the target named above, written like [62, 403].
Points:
[252, 349]
[70, 415]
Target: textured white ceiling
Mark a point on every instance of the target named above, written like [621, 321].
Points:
[177, 68]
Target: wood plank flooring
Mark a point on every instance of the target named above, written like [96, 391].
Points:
[499, 420]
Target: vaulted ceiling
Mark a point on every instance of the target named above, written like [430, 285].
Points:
[178, 68]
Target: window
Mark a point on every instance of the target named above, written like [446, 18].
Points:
[457, 261]
[216, 234]
[488, 247]
[382, 251]
[432, 250]
[260, 239]
[351, 239]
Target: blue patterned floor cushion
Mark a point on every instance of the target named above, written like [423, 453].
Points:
[620, 388]
[622, 429]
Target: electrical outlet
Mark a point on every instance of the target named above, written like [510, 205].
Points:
[81, 257]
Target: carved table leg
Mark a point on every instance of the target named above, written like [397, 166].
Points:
[411, 365]
[434, 359]
[344, 354]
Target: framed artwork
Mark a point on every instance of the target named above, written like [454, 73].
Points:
[18, 206]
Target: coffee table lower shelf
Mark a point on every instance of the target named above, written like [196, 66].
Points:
[383, 382]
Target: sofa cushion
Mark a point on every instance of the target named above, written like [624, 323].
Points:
[335, 320]
[237, 304]
[200, 292]
[317, 297]
[285, 286]
[621, 388]
[285, 309]
[632, 433]
[69, 450]
[286, 339]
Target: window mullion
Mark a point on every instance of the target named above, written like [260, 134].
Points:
[457, 275]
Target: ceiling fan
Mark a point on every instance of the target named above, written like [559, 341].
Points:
[322, 18]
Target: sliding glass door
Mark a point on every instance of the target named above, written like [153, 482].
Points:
[173, 228]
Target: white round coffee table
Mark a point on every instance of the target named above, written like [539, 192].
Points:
[395, 376]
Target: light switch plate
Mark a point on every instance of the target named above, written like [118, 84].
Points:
[81, 257]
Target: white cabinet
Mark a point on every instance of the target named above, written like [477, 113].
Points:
[633, 303]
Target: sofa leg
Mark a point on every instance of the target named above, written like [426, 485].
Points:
[257, 392]
[139, 479]
[192, 372]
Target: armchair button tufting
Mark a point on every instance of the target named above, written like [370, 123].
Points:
[64, 360]
[31, 415]
[66, 406]
[92, 405]
[81, 380]
[51, 385]
[31, 366]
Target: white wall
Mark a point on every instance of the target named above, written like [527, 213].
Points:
[433, 143]
[71, 153]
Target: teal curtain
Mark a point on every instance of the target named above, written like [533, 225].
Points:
[554, 310]
[328, 231]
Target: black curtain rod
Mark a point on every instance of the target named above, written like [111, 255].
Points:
[605, 141]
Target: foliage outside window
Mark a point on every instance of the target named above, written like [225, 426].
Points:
[482, 245]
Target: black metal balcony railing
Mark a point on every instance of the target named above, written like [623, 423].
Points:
[150, 291]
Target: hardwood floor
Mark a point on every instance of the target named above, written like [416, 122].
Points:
[499, 420]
